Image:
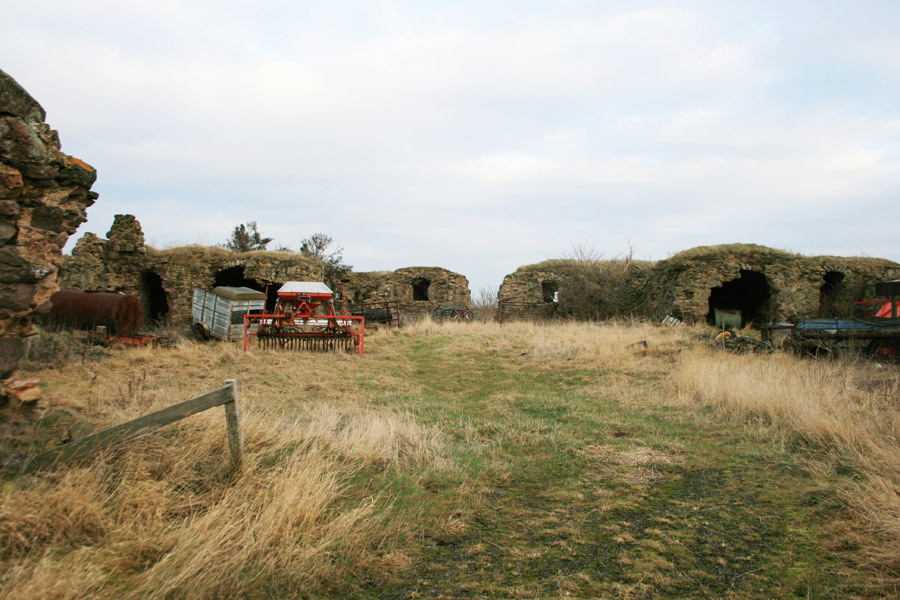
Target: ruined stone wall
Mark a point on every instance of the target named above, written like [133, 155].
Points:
[690, 284]
[122, 263]
[165, 279]
[43, 197]
[581, 289]
[419, 290]
[795, 283]
[528, 286]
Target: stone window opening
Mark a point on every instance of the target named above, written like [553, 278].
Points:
[153, 297]
[550, 291]
[749, 294]
[420, 289]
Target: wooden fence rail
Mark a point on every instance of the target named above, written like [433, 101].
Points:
[226, 395]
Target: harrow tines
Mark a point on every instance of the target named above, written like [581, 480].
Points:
[307, 343]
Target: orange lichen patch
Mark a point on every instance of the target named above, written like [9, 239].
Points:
[72, 161]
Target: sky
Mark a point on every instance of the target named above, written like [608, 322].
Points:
[478, 136]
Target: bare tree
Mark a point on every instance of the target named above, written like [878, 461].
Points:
[318, 246]
[485, 303]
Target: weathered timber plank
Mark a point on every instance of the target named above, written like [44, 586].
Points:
[130, 429]
[233, 425]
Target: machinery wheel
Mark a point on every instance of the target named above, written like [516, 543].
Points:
[201, 331]
[884, 349]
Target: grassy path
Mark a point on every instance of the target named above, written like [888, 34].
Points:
[578, 496]
[514, 461]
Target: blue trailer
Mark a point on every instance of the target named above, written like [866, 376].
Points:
[879, 337]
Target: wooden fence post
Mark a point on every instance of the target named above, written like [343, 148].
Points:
[233, 424]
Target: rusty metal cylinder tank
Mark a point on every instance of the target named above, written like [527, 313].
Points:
[122, 314]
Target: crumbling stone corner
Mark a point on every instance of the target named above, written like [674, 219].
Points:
[43, 198]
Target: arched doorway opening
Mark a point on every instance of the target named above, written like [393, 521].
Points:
[830, 297]
[234, 277]
[748, 294]
[420, 289]
[153, 297]
[549, 291]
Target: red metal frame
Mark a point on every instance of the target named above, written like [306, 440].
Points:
[292, 307]
[865, 304]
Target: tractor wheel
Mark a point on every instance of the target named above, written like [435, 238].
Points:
[884, 349]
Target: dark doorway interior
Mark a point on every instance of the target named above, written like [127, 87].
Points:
[749, 293]
[154, 299]
[830, 301]
[420, 289]
[549, 290]
[272, 296]
[234, 277]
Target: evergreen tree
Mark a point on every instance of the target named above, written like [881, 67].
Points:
[245, 238]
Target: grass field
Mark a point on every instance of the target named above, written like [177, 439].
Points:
[467, 461]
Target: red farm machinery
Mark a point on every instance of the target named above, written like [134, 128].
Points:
[304, 318]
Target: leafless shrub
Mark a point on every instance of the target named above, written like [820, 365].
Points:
[594, 288]
[485, 304]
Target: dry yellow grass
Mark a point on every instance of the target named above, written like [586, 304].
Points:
[561, 342]
[848, 412]
[164, 516]
[829, 403]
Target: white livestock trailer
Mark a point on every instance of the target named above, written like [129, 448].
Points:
[220, 313]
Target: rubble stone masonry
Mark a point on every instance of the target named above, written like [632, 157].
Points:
[43, 197]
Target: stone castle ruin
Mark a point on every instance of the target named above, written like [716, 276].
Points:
[164, 279]
[418, 290]
[43, 197]
[44, 194]
[764, 284]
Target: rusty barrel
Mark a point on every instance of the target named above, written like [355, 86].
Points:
[122, 314]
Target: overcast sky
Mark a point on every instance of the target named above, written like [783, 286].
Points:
[478, 136]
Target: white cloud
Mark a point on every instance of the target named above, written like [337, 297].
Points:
[478, 137]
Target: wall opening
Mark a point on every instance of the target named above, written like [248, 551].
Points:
[234, 277]
[831, 300]
[550, 291]
[420, 289]
[153, 297]
[272, 295]
[749, 294]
